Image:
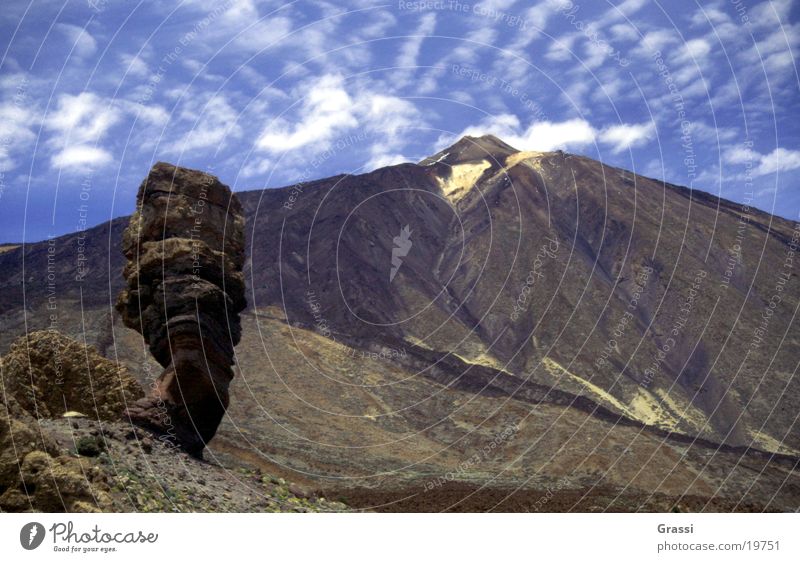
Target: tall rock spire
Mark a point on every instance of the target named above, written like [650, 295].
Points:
[185, 289]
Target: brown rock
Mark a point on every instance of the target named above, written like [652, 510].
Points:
[299, 491]
[185, 289]
[50, 375]
[34, 476]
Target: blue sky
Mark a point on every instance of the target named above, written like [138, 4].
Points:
[265, 94]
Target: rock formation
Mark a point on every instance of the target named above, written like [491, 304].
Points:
[185, 289]
[48, 374]
[36, 475]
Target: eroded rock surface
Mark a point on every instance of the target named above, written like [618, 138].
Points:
[37, 475]
[185, 289]
[48, 374]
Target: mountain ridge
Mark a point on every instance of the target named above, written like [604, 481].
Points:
[700, 194]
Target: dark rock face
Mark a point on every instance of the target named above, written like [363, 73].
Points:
[185, 289]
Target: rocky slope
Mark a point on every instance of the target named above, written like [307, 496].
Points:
[647, 298]
[71, 451]
[558, 334]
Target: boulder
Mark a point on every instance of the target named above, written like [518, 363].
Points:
[36, 476]
[50, 375]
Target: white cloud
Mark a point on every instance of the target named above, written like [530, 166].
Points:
[540, 14]
[410, 50]
[242, 25]
[740, 155]
[493, 6]
[595, 54]
[571, 134]
[728, 93]
[83, 118]
[467, 51]
[623, 137]
[151, 115]
[624, 32]
[386, 113]
[770, 14]
[535, 18]
[766, 192]
[691, 64]
[713, 134]
[609, 89]
[326, 109]
[779, 160]
[134, 66]
[655, 41]
[561, 49]
[212, 120]
[320, 41]
[430, 82]
[329, 110]
[620, 11]
[549, 136]
[378, 25]
[709, 15]
[695, 49]
[82, 43]
[76, 157]
[503, 125]
[781, 61]
[257, 167]
[574, 94]
[262, 34]
[693, 85]
[16, 121]
[542, 136]
[76, 125]
[781, 39]
[253, 26]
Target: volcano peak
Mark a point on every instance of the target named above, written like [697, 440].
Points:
[470, 148]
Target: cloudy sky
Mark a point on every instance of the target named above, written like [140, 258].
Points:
[265, 94]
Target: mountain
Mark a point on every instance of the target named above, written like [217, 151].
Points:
[488, 329]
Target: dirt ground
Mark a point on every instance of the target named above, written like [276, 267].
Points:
[463, 498]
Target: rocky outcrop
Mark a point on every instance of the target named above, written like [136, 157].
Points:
[48, 374]
[185, 289]
[84, 465]
[37, 475]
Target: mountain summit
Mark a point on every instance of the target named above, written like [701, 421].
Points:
[470, 149]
